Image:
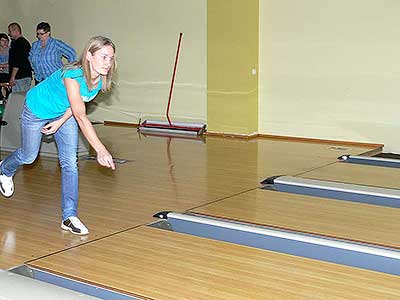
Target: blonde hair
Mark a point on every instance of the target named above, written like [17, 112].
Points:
[94, 44]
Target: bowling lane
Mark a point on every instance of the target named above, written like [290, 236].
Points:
[158, 264]
[334, 218]
[357, 174]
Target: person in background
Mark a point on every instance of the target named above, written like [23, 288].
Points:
[4, 48]
[57, 106]
[47, 53]
[18, 63]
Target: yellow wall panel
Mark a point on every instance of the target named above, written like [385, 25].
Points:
[232, 56]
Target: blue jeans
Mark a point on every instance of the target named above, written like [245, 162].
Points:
[67, 143]
[22, 85]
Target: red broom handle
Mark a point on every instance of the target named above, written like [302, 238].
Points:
[173, 78]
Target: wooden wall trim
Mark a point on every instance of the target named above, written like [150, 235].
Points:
[323, 141]
[120, 124]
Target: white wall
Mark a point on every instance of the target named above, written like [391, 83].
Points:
[330, 70]
[146, 35]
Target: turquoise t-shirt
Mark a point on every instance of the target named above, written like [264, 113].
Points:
[49, 99]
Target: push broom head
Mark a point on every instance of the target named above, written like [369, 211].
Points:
[173, 128]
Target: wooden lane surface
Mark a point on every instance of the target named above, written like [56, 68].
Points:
[162, 174]
[256, 158]
[334, 218]
[159, 264]
[358, 174]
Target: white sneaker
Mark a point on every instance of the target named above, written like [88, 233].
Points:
[74, 225]
[6, 185]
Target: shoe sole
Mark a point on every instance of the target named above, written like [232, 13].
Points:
[66, 228]
[3, 193]
[1, 188]
[6, 196]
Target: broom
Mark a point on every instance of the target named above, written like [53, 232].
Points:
[169, 126]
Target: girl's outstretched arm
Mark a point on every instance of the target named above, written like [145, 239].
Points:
[78, 109]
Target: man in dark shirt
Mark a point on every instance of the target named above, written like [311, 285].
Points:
[19, 65]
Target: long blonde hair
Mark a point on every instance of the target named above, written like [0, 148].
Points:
[94, 44]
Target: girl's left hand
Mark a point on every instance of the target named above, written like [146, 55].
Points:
[51, 127]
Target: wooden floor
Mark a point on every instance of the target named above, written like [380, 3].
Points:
[358, 174]
[334, 218]
[183, 175]
[160, 264]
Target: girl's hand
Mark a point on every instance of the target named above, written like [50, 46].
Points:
[51, 127]
[105, 159]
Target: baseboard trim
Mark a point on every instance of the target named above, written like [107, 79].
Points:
[120, 124]
[232, 135]
[322, 141]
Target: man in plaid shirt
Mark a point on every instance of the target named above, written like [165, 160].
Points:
[46, 54]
